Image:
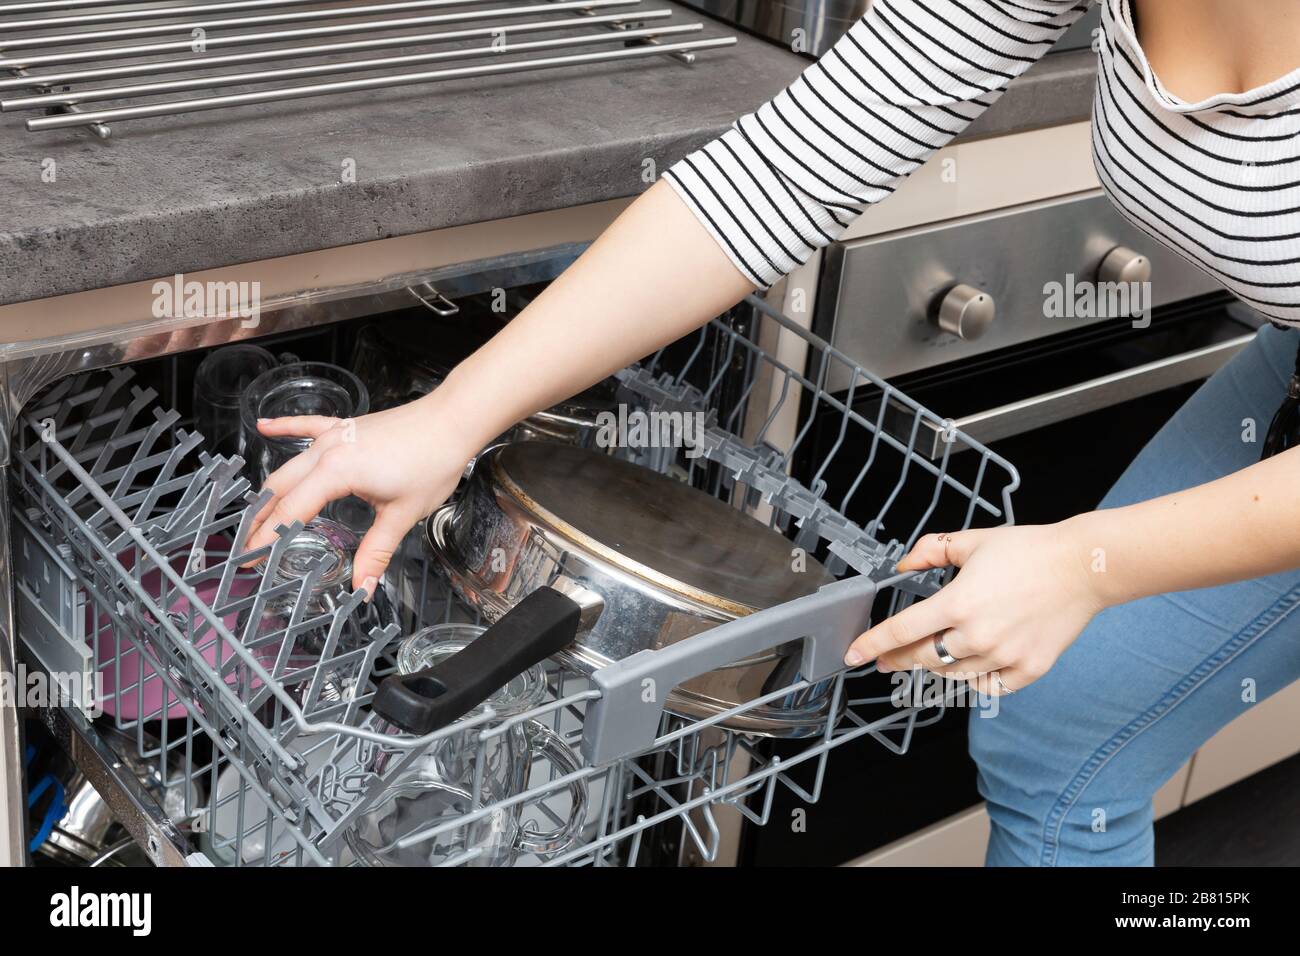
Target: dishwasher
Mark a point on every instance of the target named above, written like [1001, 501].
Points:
[126, 531]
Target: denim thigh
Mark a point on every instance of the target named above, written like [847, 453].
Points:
[1069, 764]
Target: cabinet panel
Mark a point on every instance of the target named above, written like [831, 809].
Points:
[961, 839]
[1265, 734]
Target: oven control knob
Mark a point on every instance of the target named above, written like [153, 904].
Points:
[1122, 264]
[966, 312]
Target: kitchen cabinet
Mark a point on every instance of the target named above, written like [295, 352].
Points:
[1257, 739]
[962, 839]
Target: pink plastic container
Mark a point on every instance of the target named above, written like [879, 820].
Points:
[147, 701]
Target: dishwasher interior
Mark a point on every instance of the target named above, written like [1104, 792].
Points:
[197, 737]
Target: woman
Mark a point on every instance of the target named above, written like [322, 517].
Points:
[1128, 635]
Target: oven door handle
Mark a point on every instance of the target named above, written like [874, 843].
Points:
[1060, 405]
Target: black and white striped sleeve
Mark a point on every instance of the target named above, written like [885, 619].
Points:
[786, 179]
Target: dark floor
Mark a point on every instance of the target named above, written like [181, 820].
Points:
[1252, 823]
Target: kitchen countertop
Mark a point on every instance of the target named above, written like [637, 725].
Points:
[204, 190]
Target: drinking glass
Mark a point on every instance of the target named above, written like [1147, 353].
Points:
[464, 772]
[219, 382]
[399, 366]
[302, 388]
[333, 545]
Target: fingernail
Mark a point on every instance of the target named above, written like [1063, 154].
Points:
[883, 668]
[370, 584]
[263, 421]
[853, 658]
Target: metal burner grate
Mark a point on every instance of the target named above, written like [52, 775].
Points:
[64, 58]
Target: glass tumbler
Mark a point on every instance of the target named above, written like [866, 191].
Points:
[335, 544]
[219, 382]
[303, 388]
[397, 368]
[464, 772]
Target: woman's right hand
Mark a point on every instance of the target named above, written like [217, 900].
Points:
[404, 462]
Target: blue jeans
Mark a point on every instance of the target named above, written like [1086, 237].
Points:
[1069, 764]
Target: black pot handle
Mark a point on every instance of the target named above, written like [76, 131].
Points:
[538, 626]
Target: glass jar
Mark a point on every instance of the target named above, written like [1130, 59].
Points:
[219, 383]
[301, 388]
[333, 545]
[399, 363]
[465, 772]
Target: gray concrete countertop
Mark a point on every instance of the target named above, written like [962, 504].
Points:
[204, 190]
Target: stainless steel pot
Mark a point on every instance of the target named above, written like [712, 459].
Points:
[574, 421]
[645, 562]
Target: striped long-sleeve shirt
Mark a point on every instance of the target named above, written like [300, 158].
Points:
[1217, 180]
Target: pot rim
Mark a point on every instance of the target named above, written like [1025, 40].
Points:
[766, 720]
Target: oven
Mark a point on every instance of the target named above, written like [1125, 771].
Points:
[993, 322]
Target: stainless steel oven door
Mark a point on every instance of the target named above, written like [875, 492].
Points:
[1074, 410]
[940, 293]
[1042, 384]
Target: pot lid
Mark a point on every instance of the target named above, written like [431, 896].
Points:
[656, 527]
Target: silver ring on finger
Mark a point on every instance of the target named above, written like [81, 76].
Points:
[1003, 687]
[942, 651]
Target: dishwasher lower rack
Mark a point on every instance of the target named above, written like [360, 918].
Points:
[132, 571]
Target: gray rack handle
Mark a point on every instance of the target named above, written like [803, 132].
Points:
[621, 723]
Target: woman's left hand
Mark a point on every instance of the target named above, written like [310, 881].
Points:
[1022, 596]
